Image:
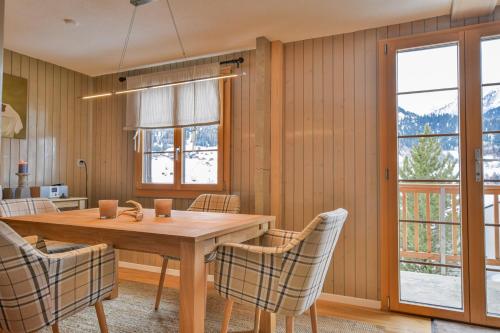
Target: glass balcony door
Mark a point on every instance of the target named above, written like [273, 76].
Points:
[426, 176]
[483, 128]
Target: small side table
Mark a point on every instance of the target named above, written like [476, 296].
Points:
[70, 203]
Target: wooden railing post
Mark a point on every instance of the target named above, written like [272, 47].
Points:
[416, 228]
[428, 217]
[496, 220]
[405, 225]
[442, 229]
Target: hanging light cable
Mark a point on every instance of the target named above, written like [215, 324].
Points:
[137, 3]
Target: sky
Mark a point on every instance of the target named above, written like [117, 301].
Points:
[437, 68]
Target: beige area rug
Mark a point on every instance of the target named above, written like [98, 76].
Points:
[444, 326]
[133, 312]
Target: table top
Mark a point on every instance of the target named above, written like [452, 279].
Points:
[195, 226]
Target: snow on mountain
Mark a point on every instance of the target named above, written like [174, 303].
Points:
[491, 100]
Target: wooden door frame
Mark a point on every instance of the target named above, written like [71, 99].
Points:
[388, 169]
[474, 140]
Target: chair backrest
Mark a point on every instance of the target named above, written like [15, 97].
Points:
[306, 264]
[216, 203]
[28, 206]
[25, 299]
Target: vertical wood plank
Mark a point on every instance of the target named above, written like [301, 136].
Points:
[49, 98]
[339, 275]
[277, 131]
[308, 133]
[6, 142]
[289, 123]
[25, 72]
[14, 143]
[32, 117]
[372, 227]
[360, 162]
[317, 128]
[349, 166]
[298, 196]
[246, 177]
[327, 138]
[263, 126]
[56, 123]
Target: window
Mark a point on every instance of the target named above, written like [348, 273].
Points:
[185, 161]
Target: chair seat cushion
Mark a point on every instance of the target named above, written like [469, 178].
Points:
[60, 247]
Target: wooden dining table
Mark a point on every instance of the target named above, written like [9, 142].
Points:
[188, 235]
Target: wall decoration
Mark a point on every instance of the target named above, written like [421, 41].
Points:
[14, 107]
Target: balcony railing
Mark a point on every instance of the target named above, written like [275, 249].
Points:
[436, 208]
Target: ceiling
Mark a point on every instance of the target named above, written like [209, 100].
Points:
[94, 46]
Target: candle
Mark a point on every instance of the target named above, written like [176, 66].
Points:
[163, 207]
[23, 167]
[108, 209]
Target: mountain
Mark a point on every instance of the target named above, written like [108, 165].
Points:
[443, 120]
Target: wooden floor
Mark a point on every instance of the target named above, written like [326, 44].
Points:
[390, 321]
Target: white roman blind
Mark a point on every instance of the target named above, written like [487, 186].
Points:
[188, 104]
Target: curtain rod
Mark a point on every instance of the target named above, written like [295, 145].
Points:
[237, 61]
[177, 83]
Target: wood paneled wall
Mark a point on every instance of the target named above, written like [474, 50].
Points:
[330, 143]
[113, 163]
[58, 125]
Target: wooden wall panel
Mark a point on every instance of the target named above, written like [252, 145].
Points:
[330, 135]
[113, 155]
[56, 125]
[330, 140]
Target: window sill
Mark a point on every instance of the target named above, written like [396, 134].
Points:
[175, 194]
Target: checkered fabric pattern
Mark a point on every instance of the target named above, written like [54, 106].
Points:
[215, 203]
[30, 206]
[286, 274]
[38, 290]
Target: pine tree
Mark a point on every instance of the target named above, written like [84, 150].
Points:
[426, 160]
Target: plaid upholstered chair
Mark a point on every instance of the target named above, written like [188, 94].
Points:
[216, 203]
[285, 275]
[39, 290]
[29, 206]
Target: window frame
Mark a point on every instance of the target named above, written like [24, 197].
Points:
[178, 189]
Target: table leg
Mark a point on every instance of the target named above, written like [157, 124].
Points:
[192, 288]
[114, 292]
[267, 322]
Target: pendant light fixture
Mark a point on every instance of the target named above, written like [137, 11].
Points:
[137, 3]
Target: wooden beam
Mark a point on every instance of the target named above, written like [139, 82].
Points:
[2, 20]
[262, 126]
[277, 83]
[462, 9]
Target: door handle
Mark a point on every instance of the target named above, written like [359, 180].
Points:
[479, 164]
[177, 153]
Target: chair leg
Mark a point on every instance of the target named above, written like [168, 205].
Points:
[314, 318]
[290, 324]
[206, 284]
[228, 308]
[101, 317]
[162, 281]
[256, 323]
[55, 328]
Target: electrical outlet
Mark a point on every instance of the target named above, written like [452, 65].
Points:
[80, 163]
